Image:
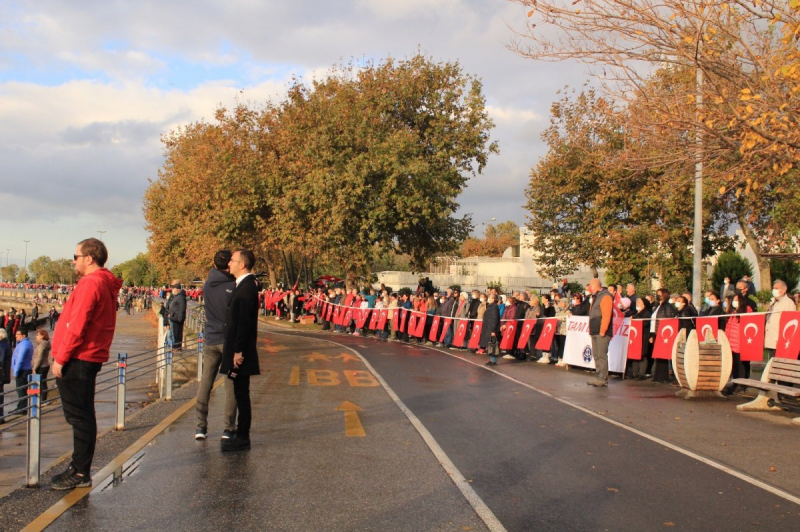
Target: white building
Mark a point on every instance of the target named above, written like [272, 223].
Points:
[516, 269]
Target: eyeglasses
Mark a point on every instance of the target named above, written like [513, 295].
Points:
[75, 257]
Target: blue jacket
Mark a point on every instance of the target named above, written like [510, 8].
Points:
[23, 357]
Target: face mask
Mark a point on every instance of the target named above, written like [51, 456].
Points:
[712, 302]
[586, 293]
[775, 293]
[727, 281]
[707, 301]
[639, 309]
[735, 304]
[725, 304]
[678, 306]
[483, 300]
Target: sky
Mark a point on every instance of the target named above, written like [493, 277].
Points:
[88, 88]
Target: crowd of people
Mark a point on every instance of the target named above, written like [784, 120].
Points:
[450, 318]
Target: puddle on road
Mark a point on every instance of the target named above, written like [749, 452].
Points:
[121, 473]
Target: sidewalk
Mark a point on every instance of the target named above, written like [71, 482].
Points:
[135, 333]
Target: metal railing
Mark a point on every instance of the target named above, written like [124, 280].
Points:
[114, 374]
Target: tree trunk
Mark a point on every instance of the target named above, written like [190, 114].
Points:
[286, 273]
[762, 263]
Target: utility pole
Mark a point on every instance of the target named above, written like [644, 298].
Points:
[697, 274]
[101, 234]
[26, 259]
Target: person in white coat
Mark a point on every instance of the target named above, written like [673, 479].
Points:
[781, 301]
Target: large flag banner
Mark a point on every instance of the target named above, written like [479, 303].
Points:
[788, 338]
[309, 304]
[337, 315]
[383, 315]
[348, 317]
[707, 328]
[403, 318]
[475, 337]
[445, 327]
[412, 323]
[434, 334]
[548, 331]
[461, 332]
[373, 320]
[527, 329]
[420, 332]
[635, 334]
[578, 347]
[665, 338]
[508, 335]
[751, 337]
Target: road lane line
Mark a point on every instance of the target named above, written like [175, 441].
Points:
[474, 500]
[716, 465]
[47, 517]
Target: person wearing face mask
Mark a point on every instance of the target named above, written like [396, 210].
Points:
[727, 288]
[560, 338]
[548, 311]
[686, 314]
[534, 312]
[663, 311]
[580, 306]
[743, 290]
[490, 333]
[712, 305]
[736, 305]
[781, 302]
[643, 312]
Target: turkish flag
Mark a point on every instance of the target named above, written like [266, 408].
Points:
[707, 328]
[348, 317]
[420, 332]
[361, 319]
[788, 338]
[665, 338]
[309, 304]
[329, 313]
[635, 333]
[403, 316]
[373, 320]
[461, 332]
[447, 323]
[475, 338]
[548, 331]
[412, 324]
[383, 315]
[527, 329]
[617, 313]
[508, 335]
[751, 337]
[337, 315]
[434, 334]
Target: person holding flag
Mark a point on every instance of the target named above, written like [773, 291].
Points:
[641, 323]
[663, 311]
[736, 305]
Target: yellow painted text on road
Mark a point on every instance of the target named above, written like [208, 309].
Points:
[322, 377]
[329, 377]
[361, 379]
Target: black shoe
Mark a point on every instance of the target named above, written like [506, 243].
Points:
[68, 472]
[228, 434]
[200, 434]
[490, 363]
[73, 481]
[237, 443]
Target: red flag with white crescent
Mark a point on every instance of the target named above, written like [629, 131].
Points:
[337, 315]
[475, 337]
[373, 320]
[527, 329]
[420, 332]
[788, 345]
[383, 315]
[665, 338]
[635, 333]
[309, 304]
[403, 318]
[461, 332]
[707, 328]
[447, 322]
[434, 334]
[507, 342]
[751, 337]
[348, 317]
[548, 331]
[412, 323]
[330, 312]
[616, 312]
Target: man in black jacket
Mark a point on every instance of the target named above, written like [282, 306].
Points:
[217, 292]
[177, 314]
[239, 351]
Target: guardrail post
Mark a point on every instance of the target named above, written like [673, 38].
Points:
[122, 364]
[200, 341]
[34, 431]
[168, 374]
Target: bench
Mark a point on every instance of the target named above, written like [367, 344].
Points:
[781, 377]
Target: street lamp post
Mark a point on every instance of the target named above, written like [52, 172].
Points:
[101, 234]
[8, 251]
[26, 257]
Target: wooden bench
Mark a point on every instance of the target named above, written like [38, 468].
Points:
[781, 377]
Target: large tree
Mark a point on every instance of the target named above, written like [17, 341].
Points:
[369, 159]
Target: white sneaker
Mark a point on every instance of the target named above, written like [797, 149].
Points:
[561, 363]
[508, 357]
[544, 360]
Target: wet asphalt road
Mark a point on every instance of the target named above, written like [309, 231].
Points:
[538, 464]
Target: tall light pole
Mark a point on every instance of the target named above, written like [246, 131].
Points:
[697, 265]
[26, 257]
[101, 234]
[8, 251]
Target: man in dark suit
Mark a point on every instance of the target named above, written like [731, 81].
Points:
[239, 351]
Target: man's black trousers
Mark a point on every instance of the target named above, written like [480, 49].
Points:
[76, 387]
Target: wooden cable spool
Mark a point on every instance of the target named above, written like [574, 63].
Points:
[702, 366]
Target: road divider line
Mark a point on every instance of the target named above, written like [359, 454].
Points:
[47, 517]
[474, 500]
[691, 454]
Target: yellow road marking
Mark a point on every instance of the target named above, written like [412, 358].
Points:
[316, 356]
[352, 423]
[322, 377]
[294, 378]
[361, 379]
[346, 357]
[70, 499]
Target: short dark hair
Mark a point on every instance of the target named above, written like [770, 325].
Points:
[95, 249]
[222, 258]
[247, 257]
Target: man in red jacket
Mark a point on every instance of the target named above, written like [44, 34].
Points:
[80, 347]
